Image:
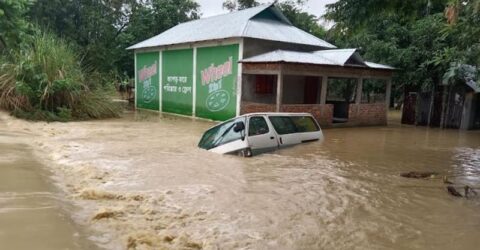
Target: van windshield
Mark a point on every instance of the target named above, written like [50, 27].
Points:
[221, 134]
[293, 124]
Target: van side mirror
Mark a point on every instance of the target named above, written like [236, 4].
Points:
[239, 126]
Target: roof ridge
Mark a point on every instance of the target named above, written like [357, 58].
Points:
[249, 19]
[331, 50]
[265, 6]
[323, 57]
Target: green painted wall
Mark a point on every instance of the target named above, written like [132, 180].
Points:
[177, 80]
[147, 91]
[217, 72]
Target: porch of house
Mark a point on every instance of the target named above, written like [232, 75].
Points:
[335, 96]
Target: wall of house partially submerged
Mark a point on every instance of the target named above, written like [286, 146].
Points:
[303, 87]
[373, 114]
[199, 80]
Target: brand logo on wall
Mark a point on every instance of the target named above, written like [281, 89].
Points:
[217, 100]
[145, 76]
[212, 77]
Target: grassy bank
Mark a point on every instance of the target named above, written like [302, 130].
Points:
[45, 81]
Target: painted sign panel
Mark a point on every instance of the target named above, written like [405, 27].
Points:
[147, 81]
[217, 69]
[177, 82]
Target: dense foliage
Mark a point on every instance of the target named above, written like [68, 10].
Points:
[423, 39]
[45, 81]
[13, 25]
[59, 59]
[104, 29]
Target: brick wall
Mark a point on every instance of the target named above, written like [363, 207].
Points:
[323, 113]
[252, 107]
[367, 114]
[359, 115]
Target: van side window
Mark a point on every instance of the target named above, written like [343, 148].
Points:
[293, 124]
[305, 124]
[283, 124]
[257, 126]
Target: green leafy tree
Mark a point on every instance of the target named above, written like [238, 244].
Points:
[103, 29]
[408, 35]
[302, 19]
[232, 5]
[13, 26]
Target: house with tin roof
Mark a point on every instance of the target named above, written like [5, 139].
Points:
[255, 60]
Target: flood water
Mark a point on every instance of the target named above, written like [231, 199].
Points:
[140, 182]
[32, 214]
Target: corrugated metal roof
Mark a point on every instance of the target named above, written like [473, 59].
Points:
[378, 66]
[290, 57]
[246, 23]
[341, 56]
[333, 57]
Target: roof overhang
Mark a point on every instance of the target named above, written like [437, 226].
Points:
[334, 57]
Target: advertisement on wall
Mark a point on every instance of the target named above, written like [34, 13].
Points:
[216, 94]
[147, 81]
[177, 81]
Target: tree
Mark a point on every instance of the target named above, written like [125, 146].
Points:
[103, 29]
[425, 40]
[302, 19]
[405, 34]
[13, 26]
[232, 5]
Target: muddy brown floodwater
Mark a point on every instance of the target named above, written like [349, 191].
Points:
[32, 213]
[140, 182]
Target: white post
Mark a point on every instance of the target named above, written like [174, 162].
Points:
[240, 77]
[279, 88]
[135, 75]
[160, 80]
[194, 82]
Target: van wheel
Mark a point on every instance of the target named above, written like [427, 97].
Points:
[245, 153]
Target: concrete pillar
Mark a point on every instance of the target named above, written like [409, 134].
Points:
[323, 92]
[358, 98]
[467, 114]
[388, 93]
[279, 89]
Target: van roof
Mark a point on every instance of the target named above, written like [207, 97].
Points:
[276, 114]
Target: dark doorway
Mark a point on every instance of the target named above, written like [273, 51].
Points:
[311, 90]
[409, 105]
[341, 93]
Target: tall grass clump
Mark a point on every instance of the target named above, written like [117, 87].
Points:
[45, 81]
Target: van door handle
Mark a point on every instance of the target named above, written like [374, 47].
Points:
[281, 142]
[271, 137]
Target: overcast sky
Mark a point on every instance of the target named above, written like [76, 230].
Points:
[214, 7]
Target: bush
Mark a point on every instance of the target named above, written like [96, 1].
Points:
[45, 81]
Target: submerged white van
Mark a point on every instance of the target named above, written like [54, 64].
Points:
[256, 133]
